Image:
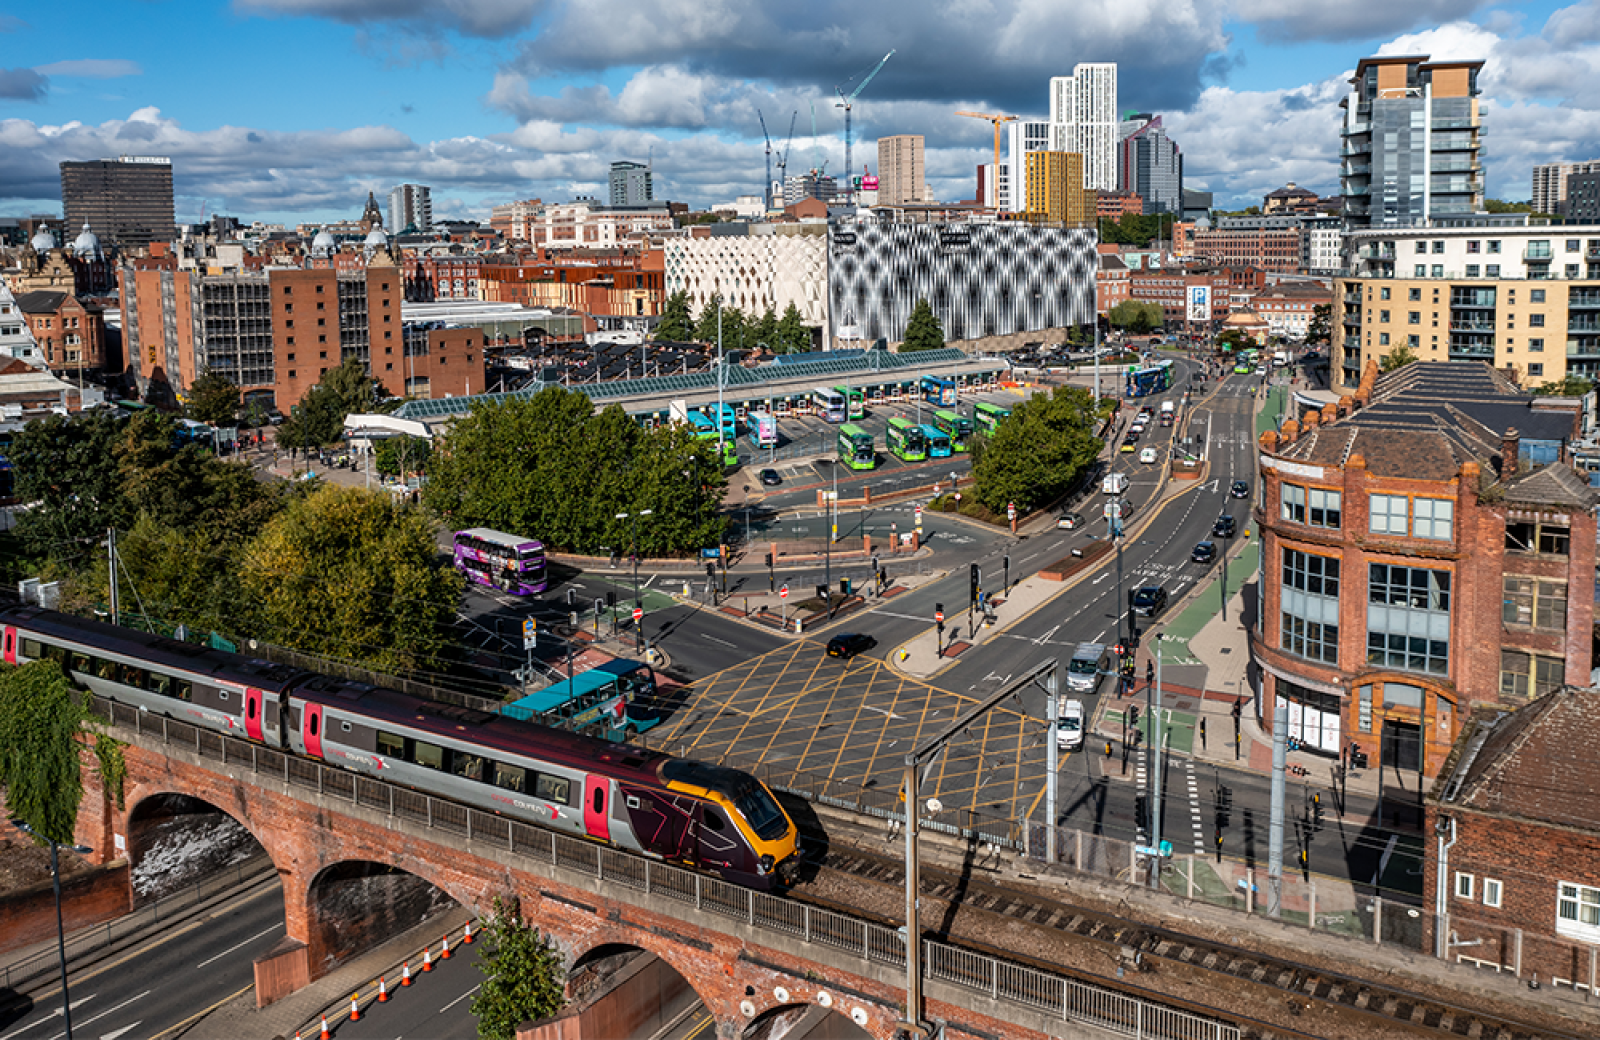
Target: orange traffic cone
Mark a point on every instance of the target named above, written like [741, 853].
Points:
[325, 1034]
[355, 1008]
[405, 974]
[444, 954]
[427, 962]
[467, 938]
[383, 991]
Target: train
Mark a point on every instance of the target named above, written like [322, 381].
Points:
[711, 818]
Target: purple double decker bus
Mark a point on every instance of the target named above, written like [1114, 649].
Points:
[506, 561]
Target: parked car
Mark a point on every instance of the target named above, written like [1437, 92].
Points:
[1239, 489]
[1150, 600]
[1223, 528]
[1070, 521]
[770, 478]
[849, 644]
[1147, 456]
[1204, 552]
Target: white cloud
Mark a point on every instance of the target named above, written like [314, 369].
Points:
[1296, 20]
[92, 68]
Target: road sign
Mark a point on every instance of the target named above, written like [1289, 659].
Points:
[938, 615]
[1011, 510]
[783, 593]
[919, 516]
[530, 633]
[638, 613]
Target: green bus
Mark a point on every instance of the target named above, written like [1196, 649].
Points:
[856, 449]
[905, 440]
[956, 427]
[856, 408]
[988, 416]
[730, 455]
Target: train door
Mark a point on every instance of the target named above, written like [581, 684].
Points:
[718, 843]
[311, 731]
[253, 700]
[11, 645]
[595, 824]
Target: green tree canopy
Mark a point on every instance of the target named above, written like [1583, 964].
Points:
[923, 330]
[213, 398]
[318, 419]
[397, 456]
[1037, 452]
[793, 336]
[765, 330]
[348, 573]
[1137, 316]
[1399, 356]
[67, 470]
[1232, 340]
[1570, 386]
[675, 324]
[1321, 328]
[522, 974]
[45, 724]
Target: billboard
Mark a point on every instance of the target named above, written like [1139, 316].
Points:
[1199, 303]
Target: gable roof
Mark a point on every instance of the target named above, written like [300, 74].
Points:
[41, 301]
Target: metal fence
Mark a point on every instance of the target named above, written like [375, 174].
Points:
[1038, 991]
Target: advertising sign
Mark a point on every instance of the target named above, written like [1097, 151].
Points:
[1199, 303]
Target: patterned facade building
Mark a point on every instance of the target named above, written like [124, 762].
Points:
[980, 279]
[754, 273]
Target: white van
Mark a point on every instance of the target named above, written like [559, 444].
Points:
[1114, 484]
[1069, 726]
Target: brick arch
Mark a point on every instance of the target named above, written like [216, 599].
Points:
[144, 796]
[845, 1028]
[142, 817]
[354, 905]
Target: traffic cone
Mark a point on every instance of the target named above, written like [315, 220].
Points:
[427, 961]
[405, 974]
[467, 938]
[383, 991]
[444, 954]
[325, 1034]
[355, 1008]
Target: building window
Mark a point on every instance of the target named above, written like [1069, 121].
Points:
[1473, 246]
[1383, 339]
[1494, 245]
[1491, 892]
[1535, 370]
[1420, 271]
[1578, 911]
[1535, 296]
[1414, 295]
[1387, 514]
[1573, 245]
[1438, 270]
[1414, 342]
[1309, 598]
[1534, 603]
[1524, 676]
[1464, 885]
[1414, 318]
[1536, 346]
[1430, 518]
[1438, 246]
[1383, 316]
[1422, 247]
[1472, 270]
[1408, 618]
[1527, 536]
[1492, 270]
[1536, 321]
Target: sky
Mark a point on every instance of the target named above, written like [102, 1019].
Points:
[293, 110]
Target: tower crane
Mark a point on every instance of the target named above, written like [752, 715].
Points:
[997, 120]
[845, 102]
[783, 162]
[767, 189]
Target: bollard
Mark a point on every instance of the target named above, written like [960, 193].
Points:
[383, 991]
[405, 974]
[355, 1008]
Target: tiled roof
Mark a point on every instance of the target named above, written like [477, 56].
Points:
[40, 301]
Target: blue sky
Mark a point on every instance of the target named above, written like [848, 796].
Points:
[291, 110]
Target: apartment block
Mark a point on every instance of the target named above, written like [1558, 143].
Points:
[630, 184]
[1551, 184]
[1055, 189]
[902, 176]
[1150, 164]
[126, 201]
[1083, 109]
[410, 209]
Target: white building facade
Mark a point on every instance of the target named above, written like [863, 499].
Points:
[1083, 107]
[754, 272]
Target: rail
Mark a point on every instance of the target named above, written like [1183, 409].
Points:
[1024, 987]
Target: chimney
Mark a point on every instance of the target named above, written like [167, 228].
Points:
[1509, 444]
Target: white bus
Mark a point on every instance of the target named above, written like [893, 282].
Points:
[830, 404]
[763, 429]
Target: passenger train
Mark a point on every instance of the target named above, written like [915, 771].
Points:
[713, 818]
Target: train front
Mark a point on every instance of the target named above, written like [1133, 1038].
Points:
[771, 833]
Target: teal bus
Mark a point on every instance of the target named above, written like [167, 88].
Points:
[905, 440]
[956, 427]
[856, 449]
[610, 701]
[857, 398]
[701, 426]
[987, 417]
[730, 421]
[939, 391]
[937, 440]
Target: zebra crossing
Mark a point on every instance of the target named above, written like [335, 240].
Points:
[1196, 818]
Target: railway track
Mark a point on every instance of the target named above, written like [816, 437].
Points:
[1371, 1008]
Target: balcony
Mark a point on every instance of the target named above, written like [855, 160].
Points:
[1533, 255]
[1358, 170]
[1472, 326]
[1583, 300]
[1357, 189]
[1588, 351]
[1353, 319]
[1473, 352]
[1585, 323]
[1353, 298]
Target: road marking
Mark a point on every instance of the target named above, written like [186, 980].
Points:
[881, 711]
[724, 642]
[1046, 637]
[459, 999]
[247, 942]
[1383, 861]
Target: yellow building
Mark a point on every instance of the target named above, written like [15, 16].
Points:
[1055, 189]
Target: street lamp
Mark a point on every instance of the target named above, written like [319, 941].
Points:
[61, 937]
[638, 628]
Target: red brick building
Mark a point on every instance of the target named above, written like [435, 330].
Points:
[610, 284]
[1418, 563]
[1111, 283]
[1170, 288]
[1288, 308]
[70, 332]
[1513, 866]
[1269, 249]
[1114, 206]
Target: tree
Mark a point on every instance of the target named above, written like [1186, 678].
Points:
[675, 325]
[765, 330]
[319, 417]
[1034, 456]
[1232, 340]
[923, 330]
[213, 398]
[521, 974]
[1321, 328]
[1399, 356]
[348, 573]
[792, 337]
[705, 326]
[45, 725]
[397, 456]
[1497, 206]
[1137, 316]
[67, 470]
[1570, 386]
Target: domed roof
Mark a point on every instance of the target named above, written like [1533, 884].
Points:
[323, 244]
[376, 239]
[1244, 318]
[43, 241]
[86, 244]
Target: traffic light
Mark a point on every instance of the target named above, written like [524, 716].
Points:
[769, 561]
[977, 578]
[1133, 714]
[844, 586]
[1238, 708]
[611, 598]
[711, 570]
[1149, 671]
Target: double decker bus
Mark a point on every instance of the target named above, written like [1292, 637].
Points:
[1142, 382]
[730, 421]
[857, 398]
[856, 448]
[831, 403]
[763, 429]
[954, 426]
[606, 701]
[702, 427]
[507, 562]
[988, 417]
[938, 391]
[905, 440]
[937, 440]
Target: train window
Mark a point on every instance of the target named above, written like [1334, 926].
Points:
[132, 676]
[714, 820]
[106, 669]
[30, 648]
[599, 799]
[391, 744]
[185, 690]
[428, 755]
[316, 724]
[512, 778]
[469, 766]
[82, 663]
[161, 685]
[553, 788]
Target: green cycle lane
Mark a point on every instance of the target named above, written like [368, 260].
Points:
[1208, 603]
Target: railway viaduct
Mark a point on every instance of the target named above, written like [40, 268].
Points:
[350, 853]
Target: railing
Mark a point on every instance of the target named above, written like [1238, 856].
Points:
[1039, 991]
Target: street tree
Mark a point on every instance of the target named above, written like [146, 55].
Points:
[1320, 331]
[765, 330]
[522, 973]
[923, 329]
[397, 456]
[793, 337]
[675, 325]
[45, 727]
[1397, 358]
[1137, 316]
[318, 419]
[1231, 341]
[66, 468]
[1034, 456]
[1570, 386]
[213, 398]
[705, 326]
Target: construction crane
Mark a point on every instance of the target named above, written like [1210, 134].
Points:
[783, 157]
[818, 163]
[766, 190]
[997, 121]
[845, 102]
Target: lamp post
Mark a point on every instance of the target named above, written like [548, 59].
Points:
[638, 628]
[61, 936]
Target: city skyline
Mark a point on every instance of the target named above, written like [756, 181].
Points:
[496, 100]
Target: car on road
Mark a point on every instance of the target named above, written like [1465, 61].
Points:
[1239, 489]
[1150, 600]
[1261, 370]
[1069, 726]
[1147, 456]
[1130, 442]
[848, 644]
[1223, 528]
[1204, 552]
[1070, 521]
[770, 478]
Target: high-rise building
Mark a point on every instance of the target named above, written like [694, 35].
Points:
[127, 201]
[1149, 164]
[1022, 137]
[630, 184]
[900, 170]
[810, 185]
[1411, 141]
[1083, 107]
[1055, 189]
[410, 206]
[1551, 183]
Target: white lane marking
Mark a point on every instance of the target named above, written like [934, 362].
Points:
[247, 942]
[724, 642]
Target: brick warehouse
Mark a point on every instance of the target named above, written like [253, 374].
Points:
[1514, 871]
[333, 855]
[1417, 555]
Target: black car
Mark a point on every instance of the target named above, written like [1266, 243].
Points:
[1150, 600]
[1239, 489]
[770, 478]
[1204, 552]
[1223, 528]
[849, 644]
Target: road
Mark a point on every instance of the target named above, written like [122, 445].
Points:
[436, 1006]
